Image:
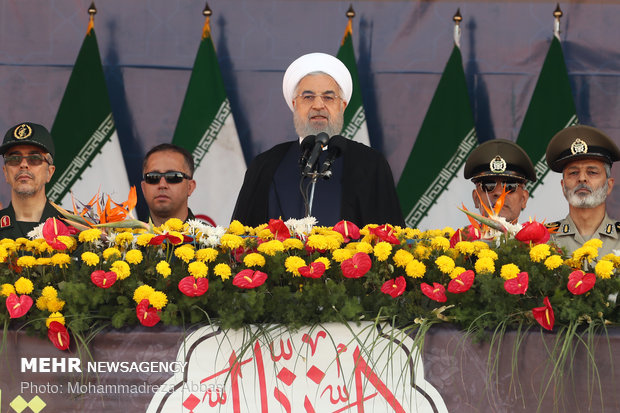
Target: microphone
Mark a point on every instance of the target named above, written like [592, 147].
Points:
[306, 147]
[320, 142]
[335, 148]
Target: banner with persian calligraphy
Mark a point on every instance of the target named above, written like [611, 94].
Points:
[331, 368]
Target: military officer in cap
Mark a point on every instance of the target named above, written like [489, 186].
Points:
[28, 152]
[499, 165]
[584, 155]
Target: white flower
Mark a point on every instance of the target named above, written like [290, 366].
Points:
[301, 227]
[206, 234]
[37, 232]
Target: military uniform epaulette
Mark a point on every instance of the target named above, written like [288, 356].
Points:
[554, 226]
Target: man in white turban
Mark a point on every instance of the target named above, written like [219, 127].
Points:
[317, 88]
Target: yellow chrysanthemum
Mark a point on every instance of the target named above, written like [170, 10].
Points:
[185, 253]
[485, 265]
[54, 304]
[7, 289]
[586, 252]
[402, 258]
[488, 253]
[158, 299]
[174, 224]
[55, 317]
[236, 228]
[480, 246]
[206, 254]
[509, 271]
[382, 250]
[163, 269]
[142, 292]
[23, 286]
[604, 269]
[593, 243]
[68, 241]
[341, 254]
[421, 252]
[325, 262]
[44, 261]
[293, 244]
[553, 262]
[61, 260]
[21, 242]
[293, 263]
[90, 258]
[440, 243]
[334, 241]
[133, 257]
[254, 260]
[540, 252]
[415, 269]
[197, 269]
[432, 233]
[110, 253]
[264, 234]
[8, 243]
[319, 242]
[456, 272]
[223, 271]
[4, 254]
[44, 247]
[271, 247]
[445, 264]
[613, 258]
[123, 239]
[41, 303]
[49, 292]
[231, 241]
[121, 268]
[89, 235]
[465, 247]
[27, 261]
[144, 239]
[412, 233]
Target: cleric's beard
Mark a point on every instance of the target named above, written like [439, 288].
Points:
[304, 127]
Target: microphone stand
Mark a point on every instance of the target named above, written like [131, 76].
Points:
[314, 176]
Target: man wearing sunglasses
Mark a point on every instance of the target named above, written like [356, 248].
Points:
[167, 182]
[584, 155]
[28, 152]
[496, 166]
[317, 88]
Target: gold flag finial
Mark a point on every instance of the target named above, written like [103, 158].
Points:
[207, 11]
[206, 29]
[350, 12]
[457, 19]
[557, 13]
[92, 10]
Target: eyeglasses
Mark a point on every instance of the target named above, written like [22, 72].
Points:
[327, 98]
[34, 159]
[172, 177]
[489, 186]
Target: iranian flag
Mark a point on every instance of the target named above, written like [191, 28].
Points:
[88, 153]
[206, 128]
[354, 126]
[551, 109]
[432, 185]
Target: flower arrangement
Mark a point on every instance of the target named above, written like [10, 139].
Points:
[63, 282]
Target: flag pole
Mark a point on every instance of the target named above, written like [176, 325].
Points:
[557, 14]
[457, 18]
[350, 14]
[92, 10]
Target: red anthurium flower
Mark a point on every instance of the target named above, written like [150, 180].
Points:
[394, 287]
[544, 315]
[357, 266]
[18, 305]
[147, 315]
[348, 230]
[279, 230]
[103, 279]
[580, 282]
[249, 279]
[314, 270]
[469, 233]
[58, 334]
[533, 232]
[52, 229]
[437, 292]
[385, 233]
[193, 287]
[517, 285]
[462, 283]
[159, 239]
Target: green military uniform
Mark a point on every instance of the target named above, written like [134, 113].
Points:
[11, 228]
[569, 239]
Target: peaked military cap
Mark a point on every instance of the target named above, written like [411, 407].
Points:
[580, 142]
[499, 158]
[28, 133]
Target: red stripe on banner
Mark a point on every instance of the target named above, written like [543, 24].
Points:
[281, 397]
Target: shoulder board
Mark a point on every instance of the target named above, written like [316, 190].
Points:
[556, 225]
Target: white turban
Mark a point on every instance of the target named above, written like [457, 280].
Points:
[316, 62]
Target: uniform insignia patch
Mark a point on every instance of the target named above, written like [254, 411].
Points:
[566, 228]
[497, 165]
[579, 146]
[609, 228]
[5, 221]
[23, 131]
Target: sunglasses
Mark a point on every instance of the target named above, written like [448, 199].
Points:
[34, 159]
[489, 186]
[172, 177]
